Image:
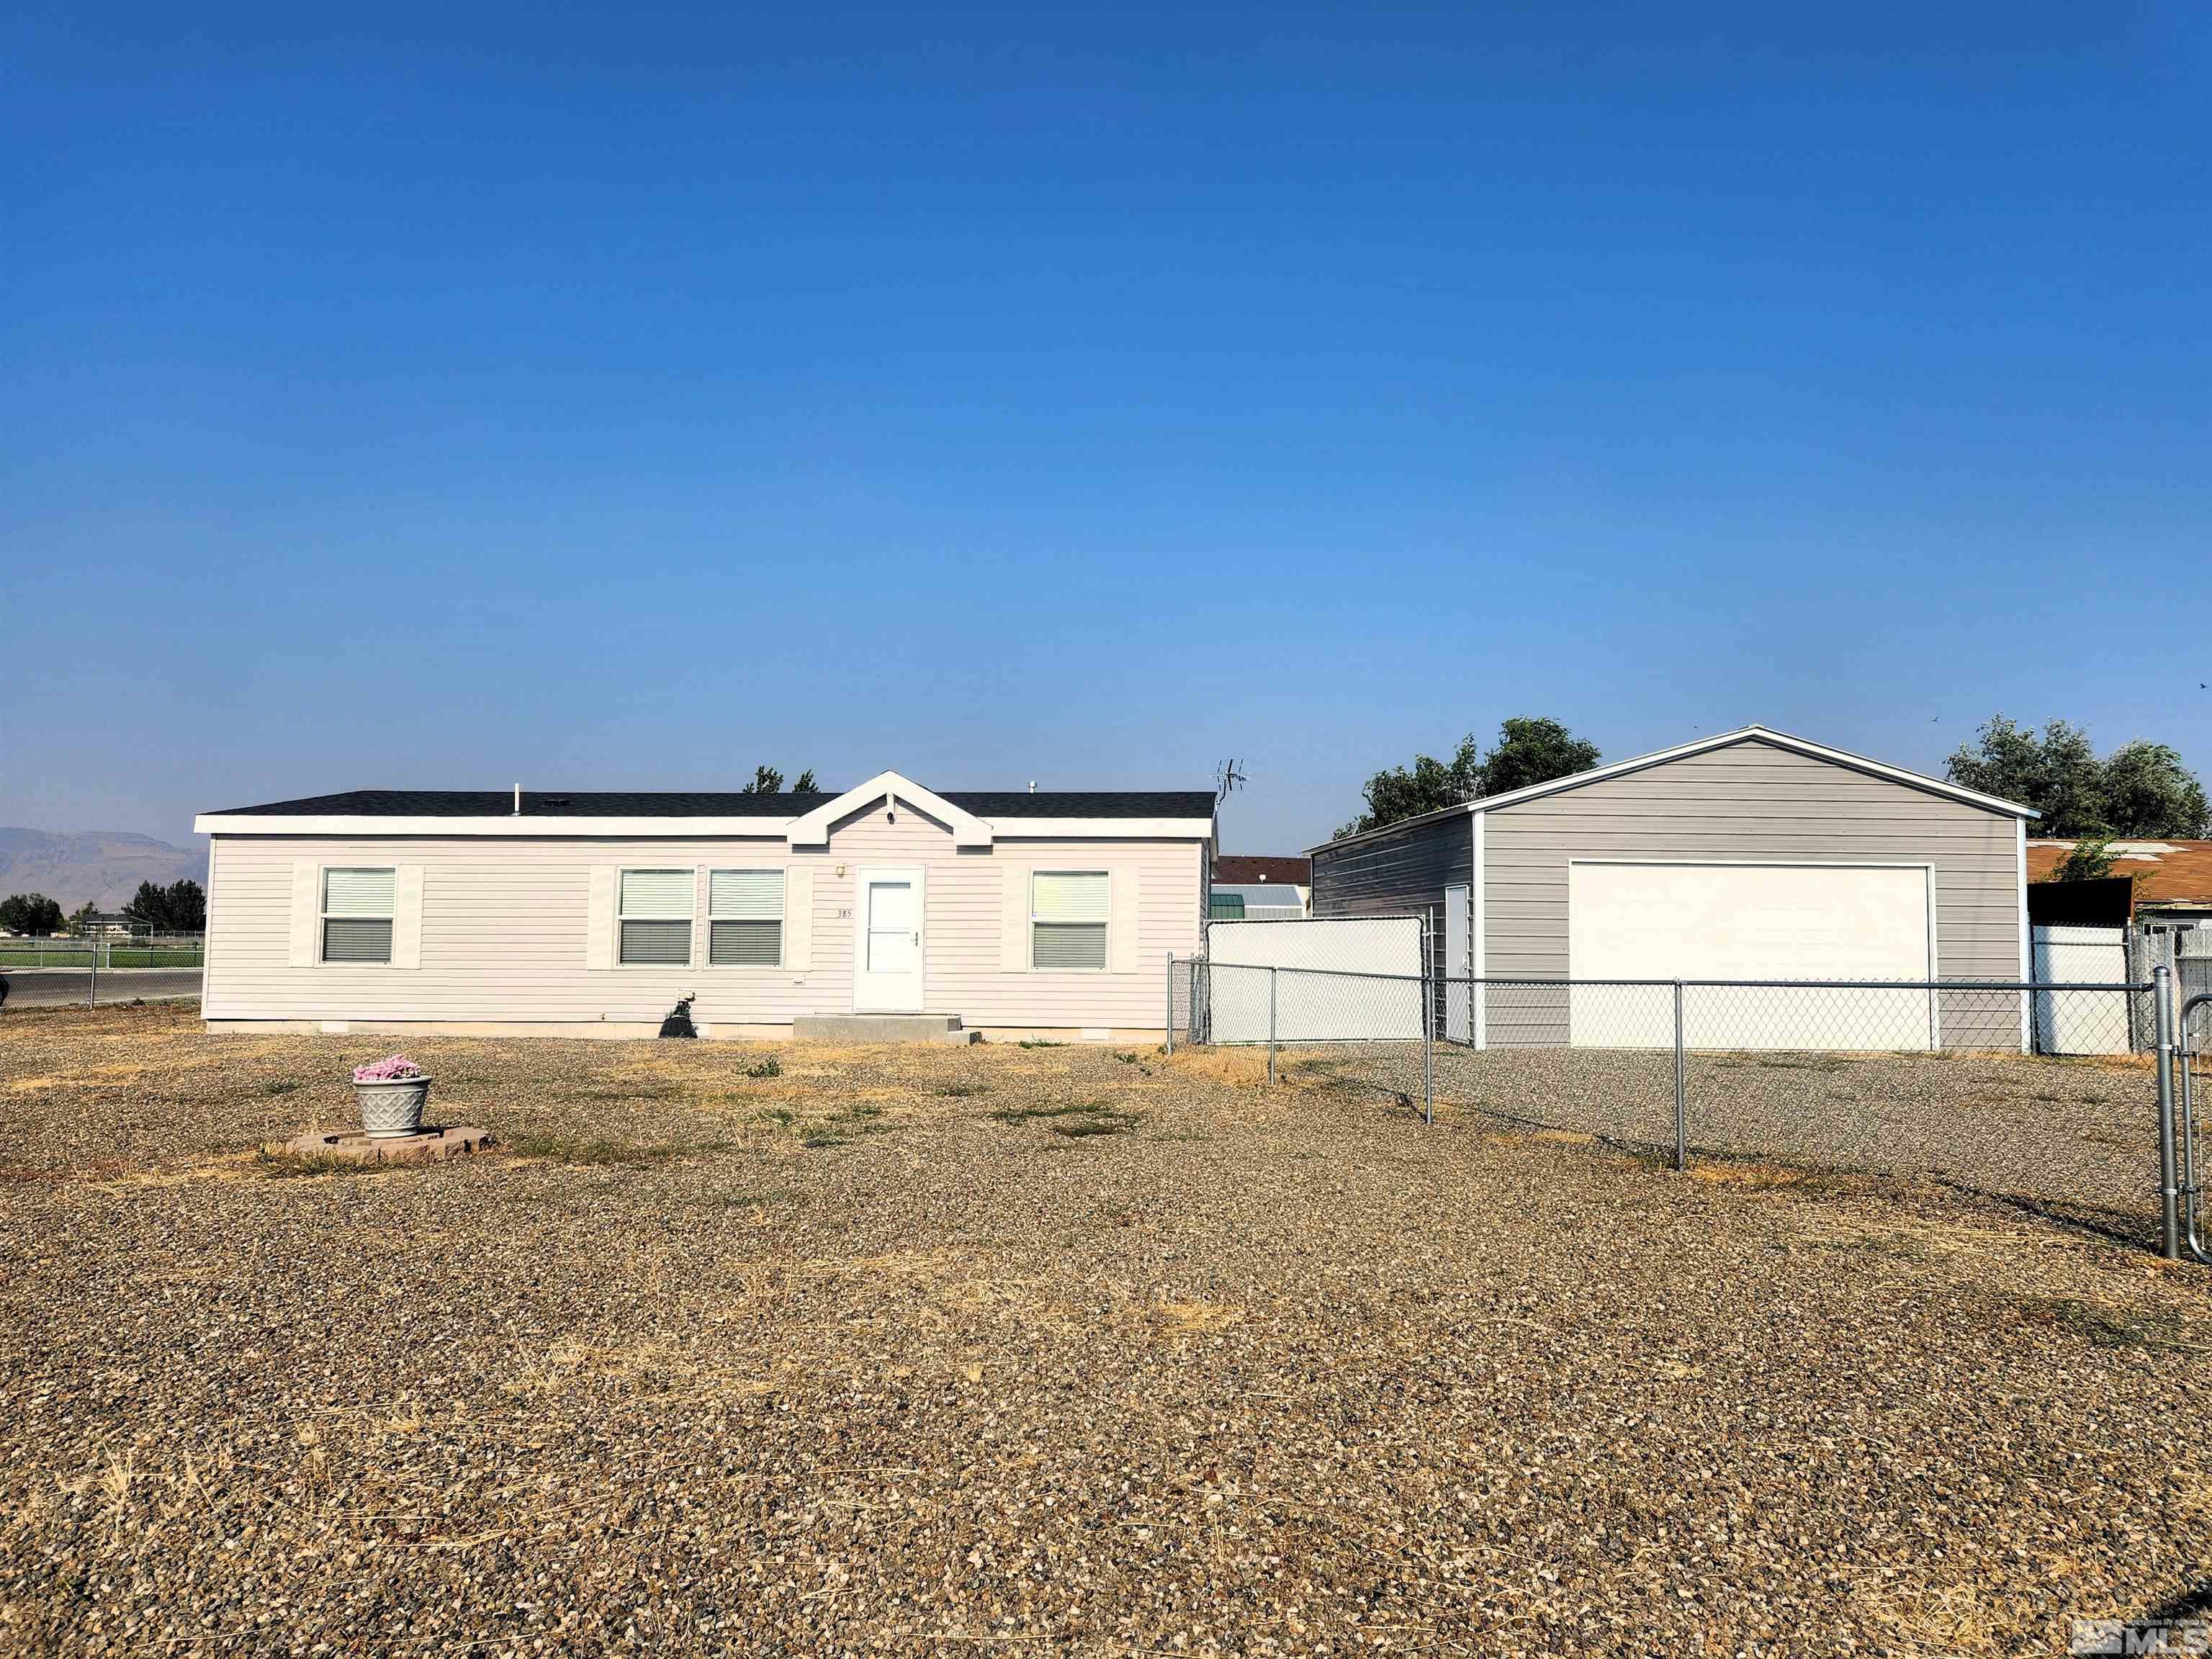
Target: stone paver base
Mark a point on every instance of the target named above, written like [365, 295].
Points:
[424, 1147]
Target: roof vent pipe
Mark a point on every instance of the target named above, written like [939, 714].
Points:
[1032, 785]
[518, 800]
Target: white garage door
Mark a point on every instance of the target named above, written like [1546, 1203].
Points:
[1751, 921]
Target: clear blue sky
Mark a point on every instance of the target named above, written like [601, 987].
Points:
[448, 397]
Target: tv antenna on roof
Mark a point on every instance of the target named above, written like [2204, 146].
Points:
[1226, 777]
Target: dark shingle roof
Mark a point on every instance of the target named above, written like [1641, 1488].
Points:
[659, 803]
[1243, 869]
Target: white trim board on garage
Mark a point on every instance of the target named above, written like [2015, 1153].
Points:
[1742, 919]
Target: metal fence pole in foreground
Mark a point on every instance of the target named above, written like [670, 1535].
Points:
[2161, 981]
[1171, 1002]
[1270, 1027]
[92, 988]
[1428, 1038]
[1682, 1094]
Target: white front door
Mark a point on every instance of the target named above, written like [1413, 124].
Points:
[887, 942]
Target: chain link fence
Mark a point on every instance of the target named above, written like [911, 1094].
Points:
[98, 973]
[2041, 1096]
[106, 949]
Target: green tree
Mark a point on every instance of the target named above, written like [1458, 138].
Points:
[2056, 772]
[1429, 785]
[187, 906]
[1534, 751]
[1530, 750]
[766, 780]
[2140, 789]
[30, 913]
[2149, 793]
[2088, 861]
[180, 908]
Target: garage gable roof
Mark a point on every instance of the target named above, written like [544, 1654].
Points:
[1682, 751]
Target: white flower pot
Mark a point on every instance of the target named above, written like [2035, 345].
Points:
[393, 1106]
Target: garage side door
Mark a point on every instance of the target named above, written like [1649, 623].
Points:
[1751, 921]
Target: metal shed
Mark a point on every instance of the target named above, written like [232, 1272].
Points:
[1750, 856]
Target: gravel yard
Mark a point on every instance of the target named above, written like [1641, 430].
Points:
[2073, 1139]
[1051, 1351]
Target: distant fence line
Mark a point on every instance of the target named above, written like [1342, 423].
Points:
[149, 949]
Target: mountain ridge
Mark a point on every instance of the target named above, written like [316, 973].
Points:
[103, 866]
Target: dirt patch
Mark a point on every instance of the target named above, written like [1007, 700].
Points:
[1234, 1069]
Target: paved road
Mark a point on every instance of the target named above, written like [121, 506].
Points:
[59, 988]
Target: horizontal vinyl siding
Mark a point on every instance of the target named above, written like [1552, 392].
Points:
[504, 930]
[1750, 801]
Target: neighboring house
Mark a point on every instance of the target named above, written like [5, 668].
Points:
[591, 913]
[102, 924]
[1752, 855]
[1249, 888]
[2170, 885]
[2171, 879]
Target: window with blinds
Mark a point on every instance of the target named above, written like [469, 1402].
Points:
[1067, 920]
[655, 912]
[357, 907]
[744, 918]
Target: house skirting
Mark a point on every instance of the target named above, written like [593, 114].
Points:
[723, 1032]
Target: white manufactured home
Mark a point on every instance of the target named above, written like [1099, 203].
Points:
[590, 914]
[1752, 856]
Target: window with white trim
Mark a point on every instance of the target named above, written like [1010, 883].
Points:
[655, 913]
[744, 918]
[357, 906]
[1067, 920]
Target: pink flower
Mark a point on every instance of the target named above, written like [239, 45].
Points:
[397, 1069]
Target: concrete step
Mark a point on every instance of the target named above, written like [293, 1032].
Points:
[880, 1028]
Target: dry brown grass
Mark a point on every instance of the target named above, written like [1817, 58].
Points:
[1540, 1138]
[1750, 1173]
[1233, 1069]
[1192, 1318]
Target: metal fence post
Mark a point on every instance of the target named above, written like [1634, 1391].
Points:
[2161, 982]
[1681, 1093]
[1271, 1026]
[1172, 1002]
[92, 990]
[1428, 1033]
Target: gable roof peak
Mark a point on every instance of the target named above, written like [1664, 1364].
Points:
[812, 829]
